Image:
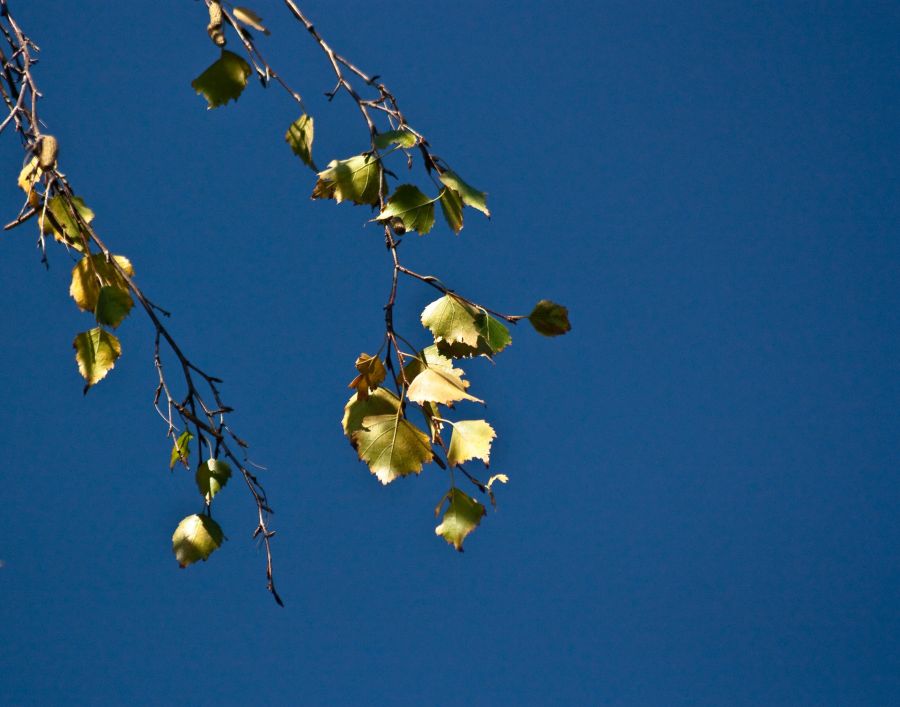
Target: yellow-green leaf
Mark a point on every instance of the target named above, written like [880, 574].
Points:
[113, 305]
[69, 230]
[181, 449]
[412, 207]
[439, 386]
[452, 206]
[469, 195]
[392, 446]
[380, 402]
[246, 16]
[471, 440]
[224, 80]
[404, 138]
[462, 516]
[450, 320]
[371, 375]
[96, 352]
[549, 318]
[196, 538]
[300, 137]
[493, 333]
[211, 477]
[93, 272]
[357, 179]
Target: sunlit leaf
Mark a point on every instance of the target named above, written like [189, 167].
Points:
[392, 446]
[462, 516]
[28, 177]
[357, 179]
[196, 538]
[94, 272]
[113, 305]
[549, 318]
[246, 16]
[69, 231]
[439, 386]
[493, 332]
[429, 357]
[300, 137]
[451, 320]
[96, 352]
[371, 375]
[380, 402]
[224, 80]
[181, 450]
[471, 440]
[211, 477]
[404, 138]
[502, 478]
[469, 195]
[452, 206]
[412, 207]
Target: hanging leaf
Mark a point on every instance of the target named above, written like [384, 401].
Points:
[549, 318]
[357, 179]
[502, 478]
[462, 517]
[412, 207]
[211, 477]
[471, 440]
[371, 375]
[403, 138]
[493, 333]
[451, 320]
[469, 195]
[300, 137]
[429, 357]
[392, 446]
[93, 272]
[439, 386]
[223, 81]
[113, 305]
[380, 402]
[452, 206]
[96, 352]
[196, 538]
[28, 177]
[69, 231]
[181, 450]
[246, 16]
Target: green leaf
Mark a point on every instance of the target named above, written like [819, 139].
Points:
[469, 195]
[412, 207]
[437, 385]
[181, 450]
[300, 137]
[93, 272]
[392, 446]
[549, 318]
[493, 333]
[462, 517]
[471, 440]
[404, 138]
[224, 80]
[211, 477]
[357, 179]
[196, 538]
[380, 402]
[96, 352]
[450, 320]
[246, 16]
[429, 357]
[69, 231]
[113, 305]
[452, 206]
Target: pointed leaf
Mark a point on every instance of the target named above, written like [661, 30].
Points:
[93, 272]
[452, 206]
[224, 80]
[96, 352]
[471, 440]
[412, 207]
[113, 305]
[381, 402]
[181, 450]
[549, 318]
[462, 517]
[470, 196]
[404, 138]
[493, 333]
[196, 538]
[430, 357]
[392, 446]
[357, 179]
[28, 177]
[371, 375]
[211, 477]
[69, 231]
[451, 320]
[439, 386]
[246, 16]
[300, 137]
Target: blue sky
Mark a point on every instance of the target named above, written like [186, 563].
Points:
[704, 488]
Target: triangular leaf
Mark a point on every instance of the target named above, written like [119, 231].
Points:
[404, 138]
[196, 538]
[412, 207]
[462, 517]
[69, 230]
[439, 386]
[452, 206]
[451, 320]
[549, 318]
[494, 333]
[181, 449]
[371, 375]
[392, 446]
[357, 179]
[470, 196]
[113, 305]
[96, 352]
[300, 137]
[246, 16]
[471, 440]
[211, 477]
[380, 402]
[224, 80]
[93, 272]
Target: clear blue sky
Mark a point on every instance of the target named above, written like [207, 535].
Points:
[704, 498]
